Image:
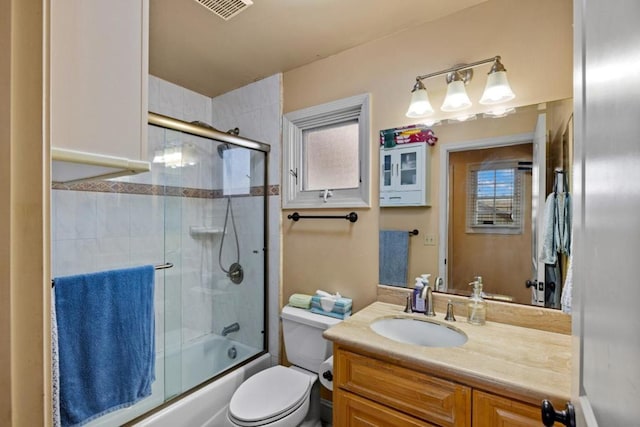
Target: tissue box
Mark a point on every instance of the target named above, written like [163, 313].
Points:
[341, 307]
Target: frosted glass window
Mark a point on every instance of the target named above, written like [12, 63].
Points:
[327, 147]
[330, 154]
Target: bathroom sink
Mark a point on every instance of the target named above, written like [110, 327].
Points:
[418, 332]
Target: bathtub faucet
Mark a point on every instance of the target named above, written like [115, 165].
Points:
[234, 327]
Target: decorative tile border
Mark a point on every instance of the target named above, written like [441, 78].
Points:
[157, 190]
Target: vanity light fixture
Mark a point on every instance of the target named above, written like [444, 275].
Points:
[496, 91]
[420, 105]
[457, 98]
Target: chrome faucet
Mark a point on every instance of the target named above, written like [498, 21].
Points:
[234, 327]
[427, 296]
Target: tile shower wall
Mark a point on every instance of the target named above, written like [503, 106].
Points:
[93, 231]
[256, 109]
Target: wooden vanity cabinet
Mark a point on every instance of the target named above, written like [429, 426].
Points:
[393, 395]
[492, 410]
[372, 392]
[352, 410]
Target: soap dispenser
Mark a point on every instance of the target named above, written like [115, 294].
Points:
[425, 279]
[476, 306]
[417, 303]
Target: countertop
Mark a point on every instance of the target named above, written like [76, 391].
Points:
[517, 362]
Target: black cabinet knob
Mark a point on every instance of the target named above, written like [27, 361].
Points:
[550, 415]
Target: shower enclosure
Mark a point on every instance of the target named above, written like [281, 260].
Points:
[202, 208]
[215, 217]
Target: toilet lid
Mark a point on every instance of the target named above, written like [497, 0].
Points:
[269, 395]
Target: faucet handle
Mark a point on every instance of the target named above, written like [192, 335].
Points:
[449, 316]
[428, 303]
[407, 307]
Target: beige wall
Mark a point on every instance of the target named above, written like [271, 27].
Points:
[532, 37]
[24, 253]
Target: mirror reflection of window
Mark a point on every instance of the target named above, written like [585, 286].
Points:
[330, 153]
[494, 198]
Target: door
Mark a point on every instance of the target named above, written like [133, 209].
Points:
[606, 320]
[538, 197]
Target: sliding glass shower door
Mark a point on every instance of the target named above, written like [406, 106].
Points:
[213, 303]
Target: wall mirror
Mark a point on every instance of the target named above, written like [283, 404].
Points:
[493, 177]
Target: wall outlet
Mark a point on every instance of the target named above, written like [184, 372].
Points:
[429, 240]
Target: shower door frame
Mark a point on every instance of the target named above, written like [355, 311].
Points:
[171, 123]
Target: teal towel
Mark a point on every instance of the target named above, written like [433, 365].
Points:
[331, 313]
[106, 341]
[393, 257]
[300, 301]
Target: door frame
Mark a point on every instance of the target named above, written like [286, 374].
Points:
[443, 198]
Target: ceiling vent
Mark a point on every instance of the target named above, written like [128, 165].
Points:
[225, 9]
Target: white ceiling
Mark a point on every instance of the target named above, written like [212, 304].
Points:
[194, 48]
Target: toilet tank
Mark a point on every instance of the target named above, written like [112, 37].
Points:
[303, 341]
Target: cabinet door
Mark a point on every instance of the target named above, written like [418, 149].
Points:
[386, 171]
[431, 399]
[99, 74]
[410, 168]
[490, 410]
[351, 410]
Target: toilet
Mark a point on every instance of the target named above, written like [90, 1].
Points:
[287, 396]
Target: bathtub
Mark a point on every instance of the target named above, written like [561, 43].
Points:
[204, 357]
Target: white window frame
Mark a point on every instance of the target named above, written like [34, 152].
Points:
[294, 124]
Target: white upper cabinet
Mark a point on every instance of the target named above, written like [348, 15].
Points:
[403, 175]
[99, 75]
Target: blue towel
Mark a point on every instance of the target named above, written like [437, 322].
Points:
[393, 257]
[106, 341]
[557, 227]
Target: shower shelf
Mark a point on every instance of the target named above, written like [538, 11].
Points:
[204, 231]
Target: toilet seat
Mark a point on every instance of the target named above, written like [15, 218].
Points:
[268, 396]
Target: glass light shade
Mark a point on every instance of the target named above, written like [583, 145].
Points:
[431, 122]
[497, 89]
[457, 98]
[420, 105]
[498, 112]
[463, 118]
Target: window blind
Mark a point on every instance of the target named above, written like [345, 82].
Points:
[494, 198]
